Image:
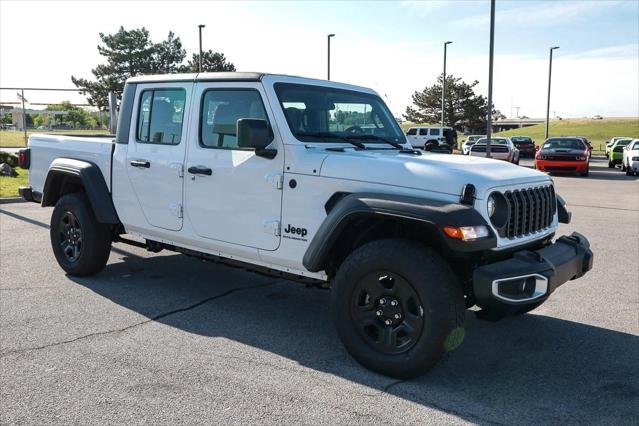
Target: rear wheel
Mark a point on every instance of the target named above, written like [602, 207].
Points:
[397, 307]
[80, 243]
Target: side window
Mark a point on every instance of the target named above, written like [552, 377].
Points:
[412, 132]
[434, 132]
[423, 132]
[160, 116]
[220, 111]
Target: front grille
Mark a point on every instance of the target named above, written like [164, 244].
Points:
[531, 210]
[561, 158]
[493, 148]
[560, 168]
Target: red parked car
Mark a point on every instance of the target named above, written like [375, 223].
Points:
[563, 155]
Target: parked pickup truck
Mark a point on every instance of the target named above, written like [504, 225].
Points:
[277, 175]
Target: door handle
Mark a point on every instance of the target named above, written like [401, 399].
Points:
[200, 170]
[143, 164]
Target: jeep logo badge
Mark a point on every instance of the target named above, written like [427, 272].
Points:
[290, 229]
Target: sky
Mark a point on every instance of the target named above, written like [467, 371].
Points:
[394, 47]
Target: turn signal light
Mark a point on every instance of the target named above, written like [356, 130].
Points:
[466, 233]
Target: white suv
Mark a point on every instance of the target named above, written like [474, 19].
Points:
[430, 137]
[630, 161]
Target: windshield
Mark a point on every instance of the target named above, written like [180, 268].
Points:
[325, 114]
[564, 144]
[494, 141]
[635, 146]
[474, 138]
[623, 142]
[521, 139]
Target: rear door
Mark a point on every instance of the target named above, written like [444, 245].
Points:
[232, 195]
[155, 155]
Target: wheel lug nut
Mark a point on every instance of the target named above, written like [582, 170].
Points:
[388, 322]
[393, 302]
[398, 316]
[382, 301]
[379, 313]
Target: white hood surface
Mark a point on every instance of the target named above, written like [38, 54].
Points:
[441, 173]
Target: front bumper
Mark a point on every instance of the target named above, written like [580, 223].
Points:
[561, 166]
[532, 276]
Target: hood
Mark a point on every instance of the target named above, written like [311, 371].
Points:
[441, 173]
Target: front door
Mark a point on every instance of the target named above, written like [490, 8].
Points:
[155, 156]
[232, 195]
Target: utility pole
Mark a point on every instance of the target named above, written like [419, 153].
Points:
[489, 120]
[517, 108]
[328, 38]
[444, 83]
[548, 101]
[200, 30]
[24, 117]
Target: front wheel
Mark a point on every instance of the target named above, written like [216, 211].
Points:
[80, 243]
[611, 165]
[398, 307]
[586, 172]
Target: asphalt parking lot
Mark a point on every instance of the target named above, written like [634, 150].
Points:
[165, 339]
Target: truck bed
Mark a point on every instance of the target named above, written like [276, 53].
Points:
[46, 148]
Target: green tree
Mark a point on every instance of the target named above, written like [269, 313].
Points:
[464, 109]
[129, 53]
[211, 62]
[76, 116]
[168, 55]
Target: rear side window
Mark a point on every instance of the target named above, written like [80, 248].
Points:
[423, 131]
[434, 132]
[160, 116]
[412, 132]
[220, 111]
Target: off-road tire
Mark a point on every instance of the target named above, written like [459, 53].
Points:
[94, 238]
[437, 291]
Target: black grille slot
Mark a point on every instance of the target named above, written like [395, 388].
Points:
[531, 210]
[493, 148]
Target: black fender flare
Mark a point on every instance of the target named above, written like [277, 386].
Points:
[434, 213]
[90, 178]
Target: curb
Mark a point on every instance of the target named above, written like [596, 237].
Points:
[12, 200]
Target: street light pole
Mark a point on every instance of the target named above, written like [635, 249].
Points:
[200, 62]
[444, 83]
[328, 38]
[489, 119]
[548, 100]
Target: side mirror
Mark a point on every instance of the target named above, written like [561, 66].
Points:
[255, 133]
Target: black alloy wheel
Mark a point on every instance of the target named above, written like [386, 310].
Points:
[387, 312]
[70, 236]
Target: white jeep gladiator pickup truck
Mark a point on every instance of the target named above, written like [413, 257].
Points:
[315, 182]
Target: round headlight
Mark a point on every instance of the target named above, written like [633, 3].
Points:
[498, 209]
[491, 205]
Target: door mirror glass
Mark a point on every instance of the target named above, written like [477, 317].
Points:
[253, 133]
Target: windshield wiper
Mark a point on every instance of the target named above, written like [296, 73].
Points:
[331, 136]
[377, 138]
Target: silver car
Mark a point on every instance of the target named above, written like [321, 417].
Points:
[500, 149]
